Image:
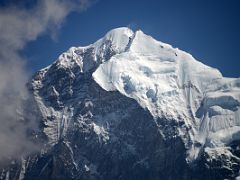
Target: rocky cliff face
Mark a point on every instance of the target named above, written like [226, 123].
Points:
[130, 107]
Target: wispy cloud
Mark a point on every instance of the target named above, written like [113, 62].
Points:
[18, 26]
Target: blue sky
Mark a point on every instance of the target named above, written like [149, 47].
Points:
[208, 29]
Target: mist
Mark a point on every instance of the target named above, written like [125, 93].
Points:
[18, 26]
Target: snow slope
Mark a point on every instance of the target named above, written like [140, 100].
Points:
[170, 83]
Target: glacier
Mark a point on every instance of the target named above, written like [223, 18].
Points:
[170, 83]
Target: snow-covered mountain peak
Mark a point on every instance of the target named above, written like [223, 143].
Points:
[114, 42]
[131, 107]
[170, 83]
[119, 38]
[154, 73]
[118, 33]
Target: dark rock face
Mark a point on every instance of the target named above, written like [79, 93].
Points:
[133, 149]
[108, 136]
[220, 166]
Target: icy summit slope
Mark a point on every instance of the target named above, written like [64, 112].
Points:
[166, 81]
[170, 83]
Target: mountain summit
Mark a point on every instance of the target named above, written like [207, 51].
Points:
[171, 84]
[131, 107]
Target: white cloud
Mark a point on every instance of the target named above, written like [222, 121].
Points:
[18, 26]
